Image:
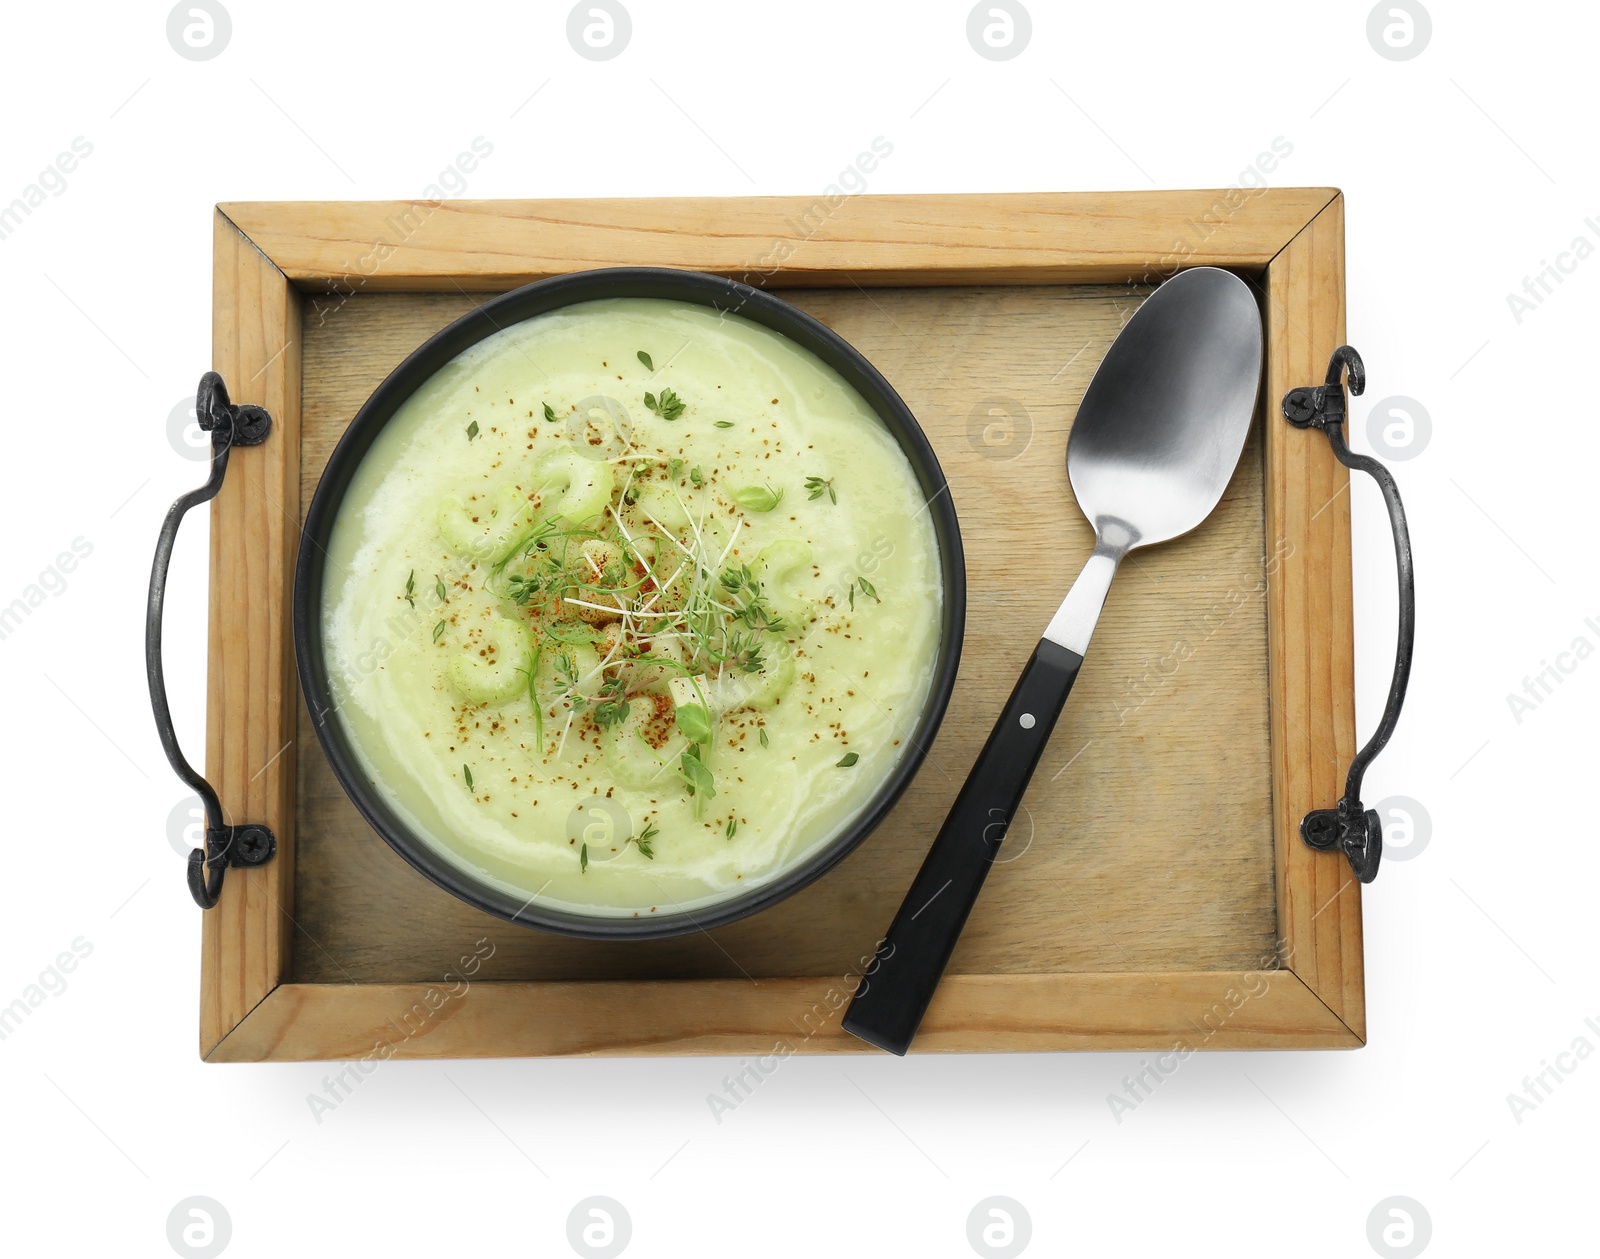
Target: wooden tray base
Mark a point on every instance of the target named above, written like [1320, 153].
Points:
[1154, 894]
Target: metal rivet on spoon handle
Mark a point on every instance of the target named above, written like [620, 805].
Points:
[1154, 445]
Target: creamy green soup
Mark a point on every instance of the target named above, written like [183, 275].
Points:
[631, 607]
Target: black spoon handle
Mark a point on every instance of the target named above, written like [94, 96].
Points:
[896, 988]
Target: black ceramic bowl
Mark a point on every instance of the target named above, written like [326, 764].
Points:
[491, 317]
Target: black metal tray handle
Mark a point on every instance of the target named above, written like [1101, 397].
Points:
[1347, 826]
[225, 845]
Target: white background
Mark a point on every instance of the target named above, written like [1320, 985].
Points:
[1465, 168]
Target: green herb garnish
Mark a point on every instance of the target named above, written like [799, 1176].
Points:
[668, 406]
[438, 589]
[868, 589]
[847, 760]
[568, 673]
[753, 610]
[646, 840]
[645, 359]
[697, 476]
[411, 588]
[466, 772]
[533, 698]
[732, 828]
[695, 774]
[694, 723]
[521, 588]
[472, 430]
[763, 733]
[744, 651]
[612, 707]
[757, 497]
[438, 631]
[549, 413]
[818, 487]
[583, 859]
[570, 632]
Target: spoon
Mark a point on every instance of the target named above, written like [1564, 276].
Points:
[1155, 442]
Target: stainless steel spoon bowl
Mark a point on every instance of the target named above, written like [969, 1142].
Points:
[1155, 442]
[1160, 428]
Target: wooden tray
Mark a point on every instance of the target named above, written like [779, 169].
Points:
[1164, 898]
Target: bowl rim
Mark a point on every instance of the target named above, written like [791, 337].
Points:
[540, 297]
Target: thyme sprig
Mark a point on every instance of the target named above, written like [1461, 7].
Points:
[668, 405]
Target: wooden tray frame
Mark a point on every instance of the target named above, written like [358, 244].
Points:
[270, 257]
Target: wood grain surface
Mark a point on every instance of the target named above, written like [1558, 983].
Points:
[846, 241]
[1167, 1012]
[1147, 843]
[1312, 623]
[252, 692]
